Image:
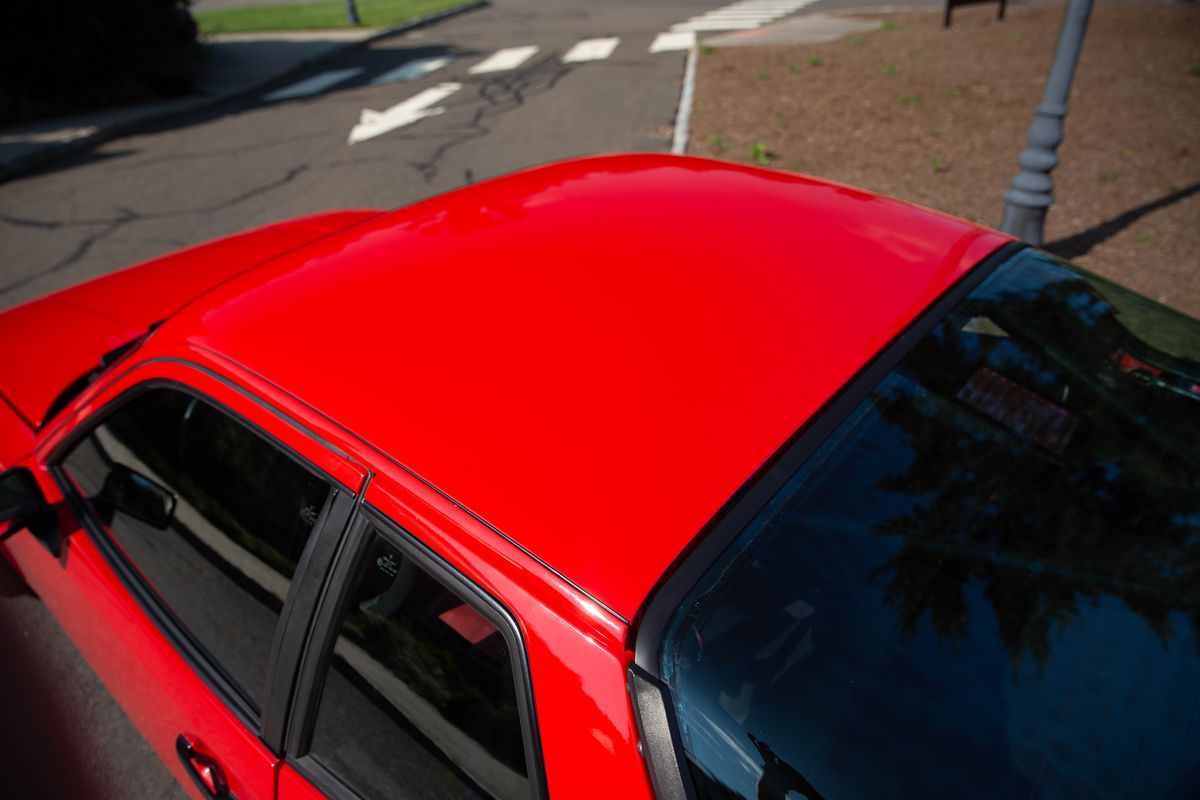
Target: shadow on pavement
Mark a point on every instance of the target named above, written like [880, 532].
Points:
[1079, 244]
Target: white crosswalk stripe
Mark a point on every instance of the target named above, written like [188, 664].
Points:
[412, 70]
[677, 40]
[591, 50]
[508, 58]
[314, 84]
[745, 15]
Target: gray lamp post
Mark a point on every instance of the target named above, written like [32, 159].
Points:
[1026, 201]
[352, 13]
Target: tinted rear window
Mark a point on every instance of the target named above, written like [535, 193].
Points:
[986, 581]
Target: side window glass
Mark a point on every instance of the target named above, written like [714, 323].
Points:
[211, 514]
[419, 699]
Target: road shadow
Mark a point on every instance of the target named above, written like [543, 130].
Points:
[1081, 243]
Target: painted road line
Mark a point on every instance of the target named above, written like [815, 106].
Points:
[312, 85]
[376, 123]
[412, 70]
[508, 58]
[679, 40]
[742, 16]
[789, 6]
[591, 50]
[716, 25]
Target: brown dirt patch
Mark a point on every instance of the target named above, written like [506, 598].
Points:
[938, 117]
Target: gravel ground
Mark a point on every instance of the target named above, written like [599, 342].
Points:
[938, 117]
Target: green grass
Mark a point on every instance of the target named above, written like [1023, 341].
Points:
[759, 154]
[325, 15]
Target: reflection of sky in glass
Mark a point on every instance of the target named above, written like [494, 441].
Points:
[935, 607]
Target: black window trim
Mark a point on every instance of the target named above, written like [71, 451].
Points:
[332, 608]
[311, 568]
[64, 419]
[654, 710]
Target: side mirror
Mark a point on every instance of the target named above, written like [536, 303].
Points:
[138, 496]
[20, 496]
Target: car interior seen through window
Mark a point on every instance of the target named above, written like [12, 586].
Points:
[983, 583]
[212, 516]
[419, 698]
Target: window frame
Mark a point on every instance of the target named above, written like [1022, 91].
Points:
[332, 608]
[654, 708]
[311, 568]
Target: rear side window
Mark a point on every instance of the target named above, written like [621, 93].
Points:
[985, 582]
[420, 697]
[212, 515]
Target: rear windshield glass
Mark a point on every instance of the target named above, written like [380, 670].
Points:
[985, 582]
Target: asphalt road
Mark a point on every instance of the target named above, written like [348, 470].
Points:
[257, 161]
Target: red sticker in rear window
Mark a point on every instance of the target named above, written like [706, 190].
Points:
[1026, 414]
[468, 623]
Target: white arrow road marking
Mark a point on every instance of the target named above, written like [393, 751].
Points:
[508, 58]
[317, 83]
[412, 70]
[591, 50]
[682, 40]
[376, 123]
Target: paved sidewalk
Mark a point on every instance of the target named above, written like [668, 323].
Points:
[234, 66]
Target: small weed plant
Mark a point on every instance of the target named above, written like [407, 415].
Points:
[759, 154]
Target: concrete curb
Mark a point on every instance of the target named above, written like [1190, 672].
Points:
[683, 117]
[55, 151]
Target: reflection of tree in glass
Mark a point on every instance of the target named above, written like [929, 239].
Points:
[1117, 512]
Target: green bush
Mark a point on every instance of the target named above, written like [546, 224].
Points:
[62, 56]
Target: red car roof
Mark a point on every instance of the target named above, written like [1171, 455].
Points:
[592, 356]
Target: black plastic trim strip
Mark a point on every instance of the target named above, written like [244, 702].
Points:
[291, 632]
[333, 607]
[660, 741]
[205, 665]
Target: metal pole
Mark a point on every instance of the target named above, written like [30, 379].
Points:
[1026, 201]
[352, 13]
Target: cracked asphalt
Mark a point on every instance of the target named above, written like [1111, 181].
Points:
[253, 162]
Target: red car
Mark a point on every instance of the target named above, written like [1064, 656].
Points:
[622, 477]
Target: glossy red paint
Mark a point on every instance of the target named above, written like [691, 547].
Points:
[591, 357]
[575, 648]
[594, 355]
[160, 692]
[76, 325]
